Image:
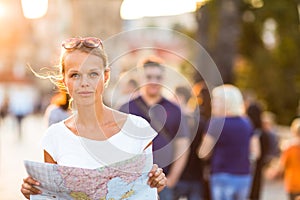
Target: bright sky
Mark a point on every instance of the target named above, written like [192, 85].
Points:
[134, 9]
[34, 8]
[2, 10]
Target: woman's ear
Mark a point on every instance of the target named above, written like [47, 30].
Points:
[106, 76]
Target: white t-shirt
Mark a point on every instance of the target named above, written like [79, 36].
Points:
[71, 150]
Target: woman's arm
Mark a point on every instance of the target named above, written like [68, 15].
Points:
[48, 158]
[206, 147]
[255, 150]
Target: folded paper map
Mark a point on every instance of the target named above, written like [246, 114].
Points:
[119, 181]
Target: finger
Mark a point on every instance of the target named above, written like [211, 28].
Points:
[155, 181]
[153, 170]
[31, 181]
[152, 181]
[160, 177]
[162, 183]
[25, 192]
[158, 184]
[30, 189]
[158, 172]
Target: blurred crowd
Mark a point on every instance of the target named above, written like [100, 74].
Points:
[234, 143]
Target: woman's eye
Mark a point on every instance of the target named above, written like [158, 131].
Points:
[94, 74]
[75, 75]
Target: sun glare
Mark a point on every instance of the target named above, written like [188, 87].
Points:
[134, 9]
[33, 9]
[2, 10]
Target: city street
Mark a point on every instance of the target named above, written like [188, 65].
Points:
[15, 150]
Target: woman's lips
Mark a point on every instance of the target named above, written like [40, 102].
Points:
[85, 93]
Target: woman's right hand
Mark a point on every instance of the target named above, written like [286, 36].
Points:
[28, 188]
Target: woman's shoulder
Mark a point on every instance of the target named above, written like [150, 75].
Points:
[131, 119]
[138, 126]
[56, 128]
[138, 121]
[291, 145]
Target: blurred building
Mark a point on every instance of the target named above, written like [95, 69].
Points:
[36, 42]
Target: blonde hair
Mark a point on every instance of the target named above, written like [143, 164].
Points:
[295, 127]
[230, 100]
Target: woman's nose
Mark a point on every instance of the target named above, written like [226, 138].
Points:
[84, 81]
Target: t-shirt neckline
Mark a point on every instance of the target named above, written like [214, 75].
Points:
[109, 138]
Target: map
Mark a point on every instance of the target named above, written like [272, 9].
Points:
[125, 180]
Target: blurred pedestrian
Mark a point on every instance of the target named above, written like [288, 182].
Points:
[269, 126]
[129, 91]
[229, 140]
[170, 147]
[289, 164]
[84, 73]
[4, 102]
[254, 112]
[58, 109]
[21, 104]
[204, 102]
[190, 184]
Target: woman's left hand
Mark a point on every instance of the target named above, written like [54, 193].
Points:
[157, 178]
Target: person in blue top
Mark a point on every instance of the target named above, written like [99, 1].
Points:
[170, 147]
[231, 143]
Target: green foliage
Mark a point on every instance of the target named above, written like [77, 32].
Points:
[273, 73]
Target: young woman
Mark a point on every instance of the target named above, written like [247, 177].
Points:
[84, 73]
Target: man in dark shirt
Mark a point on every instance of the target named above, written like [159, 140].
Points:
[170, 147]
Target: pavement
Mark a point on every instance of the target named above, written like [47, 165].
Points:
[14, 150]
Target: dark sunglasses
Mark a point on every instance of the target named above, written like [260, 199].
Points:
[90, 42]
[154, 77]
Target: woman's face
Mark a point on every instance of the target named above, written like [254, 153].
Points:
[84, 77]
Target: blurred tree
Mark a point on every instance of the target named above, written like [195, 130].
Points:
[270, 44]
[218, 32]
[256, 45]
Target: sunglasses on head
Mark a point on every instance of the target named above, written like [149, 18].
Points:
[90, 42]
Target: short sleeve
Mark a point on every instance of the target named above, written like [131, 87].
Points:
[140, 129]
[214, 127]
[48, 142]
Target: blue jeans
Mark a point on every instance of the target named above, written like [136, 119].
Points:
[226, 186]
[190, 189]
[166, 194]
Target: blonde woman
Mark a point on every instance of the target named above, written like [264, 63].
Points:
[228, 141]
[84, 73]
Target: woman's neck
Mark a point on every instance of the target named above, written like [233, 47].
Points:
[91, 115]
[97, 123]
